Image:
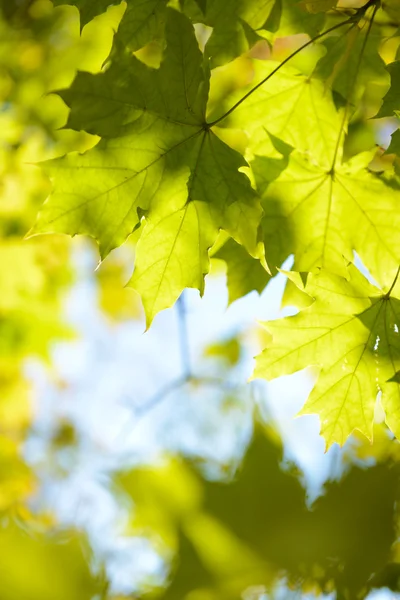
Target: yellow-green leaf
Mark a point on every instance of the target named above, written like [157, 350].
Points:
[351, 332]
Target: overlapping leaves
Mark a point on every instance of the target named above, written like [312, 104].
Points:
[160, 167]
[316, 205]
[234, 31]
[247, 532]
[140, 23]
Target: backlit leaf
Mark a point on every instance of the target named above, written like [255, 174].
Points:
[351, 331]
[156, 156]
[321, 216]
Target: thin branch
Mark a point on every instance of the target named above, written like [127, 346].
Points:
[393, 284]
[350, 21]
[184, 345]
[355, 78]
[160, 396]
[138, 412]
[141, 411]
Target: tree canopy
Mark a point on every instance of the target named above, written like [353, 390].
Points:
[199, 133]
[168, 164]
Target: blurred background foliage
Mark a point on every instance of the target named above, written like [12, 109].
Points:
[240, 526]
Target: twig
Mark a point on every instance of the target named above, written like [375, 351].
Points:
[184, 345]
[350, 21]
[393, 284]
[159, 396]
[352, 88]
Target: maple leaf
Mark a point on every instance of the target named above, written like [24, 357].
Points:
[322, 216]
[316, 206]
[350, 331]
[157, 156]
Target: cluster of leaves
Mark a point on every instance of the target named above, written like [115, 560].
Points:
[281, 163]
[285, 166]
[241, 537]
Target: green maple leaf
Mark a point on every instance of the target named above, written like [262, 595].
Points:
[315, 207]
[312, 210]
[158, 158]
[352, 59]
[323, 215]
[167, 260]
[141, 20]
[351, 332]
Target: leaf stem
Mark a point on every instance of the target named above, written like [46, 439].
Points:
[393, 284]
[355, 78]
[351, 20]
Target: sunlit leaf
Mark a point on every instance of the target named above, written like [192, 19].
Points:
[321, 215]
[157, 158]
[351, 332]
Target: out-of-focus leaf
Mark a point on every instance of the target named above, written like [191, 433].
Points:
[392, 8]
[249, 531]
[159, 507]
[316, 6]
[35, 567]
[17, 481]
[228, 350]
[115, 299]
